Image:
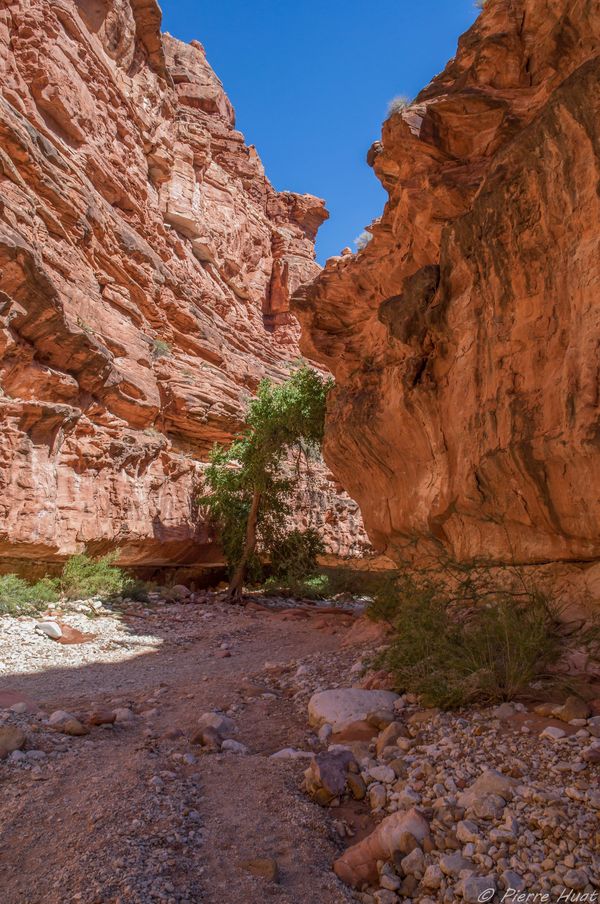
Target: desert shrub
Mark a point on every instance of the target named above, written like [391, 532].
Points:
[83, 576]
[18, 597]
[296, 553]
[466, 640]
[362, 240]
[397, 104]
[161, 349]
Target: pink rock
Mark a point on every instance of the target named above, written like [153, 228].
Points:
[145, 284]
[461, 336]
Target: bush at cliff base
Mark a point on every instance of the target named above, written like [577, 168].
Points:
[466, 640]
[18, 597]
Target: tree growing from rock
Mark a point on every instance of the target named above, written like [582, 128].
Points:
[250, 486]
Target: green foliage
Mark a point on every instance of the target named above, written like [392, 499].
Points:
[83, 577]
[466, 638]
[295, 556]
[161, 349]
[281, 418]
[311, 587]
[17, 597]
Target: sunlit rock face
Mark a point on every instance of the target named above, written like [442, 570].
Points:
[464, 339]
[146, 266]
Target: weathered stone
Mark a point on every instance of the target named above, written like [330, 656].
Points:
[223, 725]
[446, 331]
[572, 708]
[325, 778]
[344, 705]
[390, 735]
[11, 738]
[489, 782]
[102, 717]
[50, 629]
[359, 863]
[264, 868]
[146, 229]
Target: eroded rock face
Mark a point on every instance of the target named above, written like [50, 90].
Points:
[146, 265]
[464, 338]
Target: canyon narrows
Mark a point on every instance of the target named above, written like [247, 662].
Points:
[334, 726]
[464, 338]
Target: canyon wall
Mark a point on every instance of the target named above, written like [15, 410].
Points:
[146, 266]
[465, 337]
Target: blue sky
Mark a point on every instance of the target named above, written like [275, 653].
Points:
[310, 81]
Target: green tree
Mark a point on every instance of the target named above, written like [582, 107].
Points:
[249, 487]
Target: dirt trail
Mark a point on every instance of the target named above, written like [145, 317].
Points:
[126, 815]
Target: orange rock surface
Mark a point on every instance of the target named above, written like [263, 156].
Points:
[146, 265]
[464, 338]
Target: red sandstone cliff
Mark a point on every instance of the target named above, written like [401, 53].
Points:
[465, 338]
[146, 266]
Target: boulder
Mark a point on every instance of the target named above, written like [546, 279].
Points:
[343, 705]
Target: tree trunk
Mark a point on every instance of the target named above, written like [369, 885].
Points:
[237, 581]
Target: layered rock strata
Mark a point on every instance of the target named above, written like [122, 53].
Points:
[464, 338]
[146, 266]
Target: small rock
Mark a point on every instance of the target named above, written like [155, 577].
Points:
[325, 732]
[11, 738]
[356, 785]
[476, 889]
[377, 797]
[234, 747]
[575, 879]
[207, 737]
[123, 715]
[414, 863]
[432, 878]
[290, 753]
[263, 868]
[389, 736]
[102, 717]
[384, 896]
[383, 774]
[553, 733]
[510, 879]
[593, 726]
[572, 708]
[223, 725]
[50, 629]
[467, 831]
[453, 864]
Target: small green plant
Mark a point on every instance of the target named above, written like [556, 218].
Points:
[468, 639]
[161, 349]
[249, 489]
[83, 577]
[18, 597]
[312, 587]
[397, 104]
